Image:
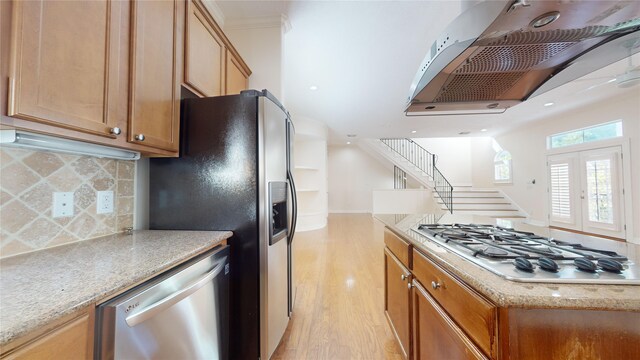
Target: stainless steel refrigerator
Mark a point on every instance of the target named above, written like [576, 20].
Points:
[234, 173]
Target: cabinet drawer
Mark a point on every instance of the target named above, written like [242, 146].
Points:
[475, 315]
[400, 248]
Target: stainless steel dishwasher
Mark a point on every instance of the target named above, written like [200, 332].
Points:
[181, 314]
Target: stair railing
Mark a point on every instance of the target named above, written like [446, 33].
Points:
[425, 162]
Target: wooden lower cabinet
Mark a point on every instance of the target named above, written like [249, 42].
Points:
[447, 319]
[397, 301]
[435, 335]
[531, 334]
[70, 340]
[472, 312]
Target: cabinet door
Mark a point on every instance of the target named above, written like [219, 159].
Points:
[204, 53]
[65, 59]
[435, 335]
[237, 75]
[156, 53]
[397, 300]
[73, 340]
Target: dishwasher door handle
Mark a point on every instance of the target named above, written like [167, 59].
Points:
[153, 309]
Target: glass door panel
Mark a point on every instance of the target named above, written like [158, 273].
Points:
[602, 200]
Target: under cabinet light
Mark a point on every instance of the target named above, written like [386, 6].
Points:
[14, 138]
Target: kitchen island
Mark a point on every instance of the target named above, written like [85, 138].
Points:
[39, 290]
[453, 307]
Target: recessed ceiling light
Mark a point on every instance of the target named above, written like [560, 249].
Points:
[549, 104]
[612, 80]
[483, 130]
[313, 88]
[348, 142]
[414, 131]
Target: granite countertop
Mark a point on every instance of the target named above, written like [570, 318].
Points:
[506, 293]
[40, 287]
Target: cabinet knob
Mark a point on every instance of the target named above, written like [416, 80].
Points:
[139, 137]
[435, 285]
[115, 131]
[409, 285]
[403, 277]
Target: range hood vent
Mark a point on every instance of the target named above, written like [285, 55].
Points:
[498, 54]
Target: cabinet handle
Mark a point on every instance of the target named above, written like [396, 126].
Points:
[115, 131]
[435, 285]
[409, 285]
[403, 277]
[139, 137]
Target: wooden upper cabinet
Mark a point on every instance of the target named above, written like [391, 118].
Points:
[65, 62]
[156, 61]
[237, 74]
[204, 53]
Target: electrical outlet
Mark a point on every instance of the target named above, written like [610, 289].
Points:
[62, 204]
[104, 202]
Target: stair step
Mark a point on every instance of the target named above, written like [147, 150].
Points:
[485, 211]
[482, 207]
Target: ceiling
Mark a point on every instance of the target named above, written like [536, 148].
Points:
[362, 57]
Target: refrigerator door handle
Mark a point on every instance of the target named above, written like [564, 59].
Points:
[294, 215]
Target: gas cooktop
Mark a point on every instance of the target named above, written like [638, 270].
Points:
[524, 256]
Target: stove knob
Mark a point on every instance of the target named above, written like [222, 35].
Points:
[610, 265]
[523, 264]
[585, 264]
[547, 264]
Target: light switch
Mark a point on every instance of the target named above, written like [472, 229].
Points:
[62, 204]
[104, 202]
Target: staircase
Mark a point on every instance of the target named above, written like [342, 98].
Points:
[486, 202]
[415, 161]
[420, 165]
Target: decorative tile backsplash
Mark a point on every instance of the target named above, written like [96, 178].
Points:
[28, 180]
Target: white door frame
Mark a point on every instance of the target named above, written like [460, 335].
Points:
[626, 174]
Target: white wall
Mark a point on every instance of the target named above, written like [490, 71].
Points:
[453, 158]
[482, 155]
[527, 145]
[406, 201]
[353, 175]
[261, 48]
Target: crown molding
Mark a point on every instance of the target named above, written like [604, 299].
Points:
[215, 11]
[262, 22]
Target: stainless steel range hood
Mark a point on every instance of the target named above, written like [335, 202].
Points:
[498, 54]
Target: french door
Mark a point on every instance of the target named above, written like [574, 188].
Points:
[585, 191]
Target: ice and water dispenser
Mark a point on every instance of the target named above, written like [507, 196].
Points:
[278, 229]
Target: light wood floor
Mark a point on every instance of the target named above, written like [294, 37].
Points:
[339, 306]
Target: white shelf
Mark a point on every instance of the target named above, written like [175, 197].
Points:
[306, 168]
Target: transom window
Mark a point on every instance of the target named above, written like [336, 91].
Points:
[593, 133]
